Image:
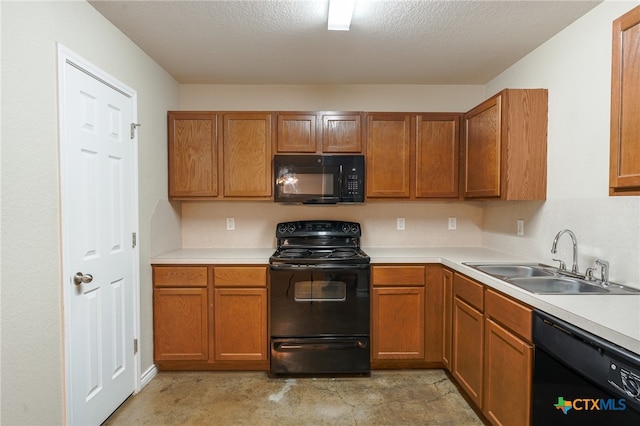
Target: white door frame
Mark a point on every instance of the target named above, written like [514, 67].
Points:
[66, 56]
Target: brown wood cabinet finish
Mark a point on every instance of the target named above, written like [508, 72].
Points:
[447, 290]
[180, 318]
[240, 324]
[437, 156]
[467, 331]
[247, 155]
[398, 323]
[319, 132]
[388, 158]
[624, 176]
[180, 324]
[508, 360]
[505, 148]
[297, 132]
[342, 133]
[210, 317]
[193, 154]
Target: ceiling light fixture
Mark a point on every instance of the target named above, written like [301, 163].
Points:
[340, 12]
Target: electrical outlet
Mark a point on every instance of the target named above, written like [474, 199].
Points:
[520, 227]
[231, 224]
[452, 223]
[400, 224]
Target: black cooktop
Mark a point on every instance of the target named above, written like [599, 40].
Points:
[318, 241]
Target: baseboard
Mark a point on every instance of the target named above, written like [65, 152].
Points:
[148, 375]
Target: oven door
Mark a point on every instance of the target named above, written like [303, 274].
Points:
[319, 302]
[320, 321]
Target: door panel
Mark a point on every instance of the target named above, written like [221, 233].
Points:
[98, 215]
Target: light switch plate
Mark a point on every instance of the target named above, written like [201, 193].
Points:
[400, 224]
[520, 227]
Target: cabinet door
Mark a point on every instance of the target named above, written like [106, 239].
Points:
[624, 177]
[398, 323]
[508, 368]
[342, 133]
[193, 154]
[437, 156]
[447, 284]
[467, 347]
[247, 155]
[482, 149]
[388, 155]
[297, 132]
[240, 324]
[180, 324]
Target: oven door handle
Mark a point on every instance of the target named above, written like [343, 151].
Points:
[289, 267]
[301, 347]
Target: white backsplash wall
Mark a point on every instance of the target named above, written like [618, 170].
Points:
[426, 223]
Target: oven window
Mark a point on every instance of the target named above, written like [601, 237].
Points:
[320, 291]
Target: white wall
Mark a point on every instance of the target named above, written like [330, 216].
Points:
[575, 66]
[32, 368]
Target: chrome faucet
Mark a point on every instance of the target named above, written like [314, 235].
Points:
[574, 268]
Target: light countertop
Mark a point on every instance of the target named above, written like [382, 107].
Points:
[614, 318]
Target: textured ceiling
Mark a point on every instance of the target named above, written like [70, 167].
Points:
[390, 42]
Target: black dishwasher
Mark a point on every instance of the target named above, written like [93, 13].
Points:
[582, 379]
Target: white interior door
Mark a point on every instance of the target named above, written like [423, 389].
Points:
[98, 215]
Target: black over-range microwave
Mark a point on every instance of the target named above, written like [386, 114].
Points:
[319, 179]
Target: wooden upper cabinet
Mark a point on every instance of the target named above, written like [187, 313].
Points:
[342, 133]
[624, 175]
[319, 132]
[193, 154]
[437, 155]
[247, 153]
[297, 132]
[505, 146]
[388, 159]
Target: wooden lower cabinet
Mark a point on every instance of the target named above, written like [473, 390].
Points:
[491, 350]
[467, 345]
[508, 360]
[447, 316]
[181, 319]
[398, 323]
[406, 316]
[210, 317]
[507, 377]
[240, 324]
[181, 328]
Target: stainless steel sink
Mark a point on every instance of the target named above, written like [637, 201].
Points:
[556, 285]
[543, 279]
[514, 271]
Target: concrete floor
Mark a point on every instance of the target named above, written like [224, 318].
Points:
[398, 397]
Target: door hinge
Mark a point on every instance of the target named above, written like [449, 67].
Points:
[133, 129]
[134, 240]
[135, 346]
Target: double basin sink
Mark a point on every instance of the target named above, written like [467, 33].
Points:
[542, 279]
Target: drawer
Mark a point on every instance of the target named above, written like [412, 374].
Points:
[398, 275]
[512, 314]
[180, 276]
[240, 276]
[468, 290]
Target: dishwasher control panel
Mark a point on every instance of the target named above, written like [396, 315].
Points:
[625, 379]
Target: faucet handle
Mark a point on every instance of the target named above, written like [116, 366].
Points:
[563, 266]
[588, 274]
[604, 270]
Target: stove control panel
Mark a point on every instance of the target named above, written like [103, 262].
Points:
[332, 228]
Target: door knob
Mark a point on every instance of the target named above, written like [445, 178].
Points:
[80, 278]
